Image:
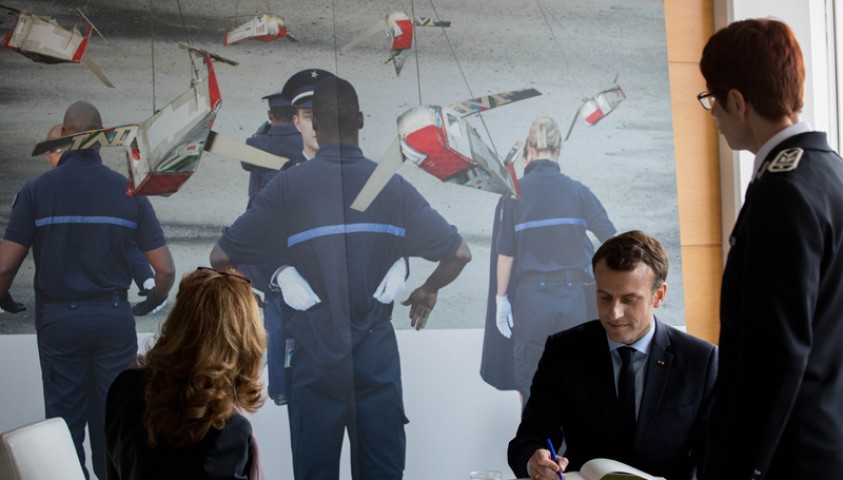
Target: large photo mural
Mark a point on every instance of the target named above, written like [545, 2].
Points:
[598, 68]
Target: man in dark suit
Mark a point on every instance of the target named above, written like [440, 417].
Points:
[626, 386]
[777, 411]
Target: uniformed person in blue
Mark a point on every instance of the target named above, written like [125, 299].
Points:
[282, 135]
[142, 273]
[299, 88]
[778, 404]
[80, 224]
[345, 371]
[544, 252]
[277, 136]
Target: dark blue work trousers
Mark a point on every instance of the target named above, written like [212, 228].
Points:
[362, 394]
[83, 347]
[275, 349]
[541, 309]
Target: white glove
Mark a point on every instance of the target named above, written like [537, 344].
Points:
[295, 289]
[393, 283]
[503, 315]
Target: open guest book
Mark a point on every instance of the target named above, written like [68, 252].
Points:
[606, 469]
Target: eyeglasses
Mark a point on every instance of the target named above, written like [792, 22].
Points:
[707, 99]
[233, 275]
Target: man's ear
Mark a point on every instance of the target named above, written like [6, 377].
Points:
[659, 295]
[314, 123]
[360, 120]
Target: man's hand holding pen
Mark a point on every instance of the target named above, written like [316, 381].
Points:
[545, 465]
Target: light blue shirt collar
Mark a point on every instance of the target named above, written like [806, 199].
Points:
[642, 344]
[769, 145]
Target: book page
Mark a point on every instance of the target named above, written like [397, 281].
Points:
[574, 476]
[606, 469]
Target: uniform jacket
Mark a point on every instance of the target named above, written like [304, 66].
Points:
[778, 405]
[573, 395]
[304, 216]
[222, 454]
[282, 140]
[545, 228]
[82, 227]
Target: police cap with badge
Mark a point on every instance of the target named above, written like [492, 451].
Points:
[299, 87]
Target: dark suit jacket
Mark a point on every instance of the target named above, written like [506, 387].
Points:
[573, 397]
[778, 404]
[222, 454]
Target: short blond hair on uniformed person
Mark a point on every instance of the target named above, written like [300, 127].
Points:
[544, 136]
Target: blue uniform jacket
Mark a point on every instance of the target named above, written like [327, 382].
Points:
[281, 140]
[304, 216]
[545, 228]
[82, 225]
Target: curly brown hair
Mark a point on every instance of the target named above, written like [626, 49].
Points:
[206, 361]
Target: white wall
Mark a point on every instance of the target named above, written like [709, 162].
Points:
[807, 18]
[457, 422]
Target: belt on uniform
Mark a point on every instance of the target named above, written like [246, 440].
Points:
[568, 275]
[102, 298]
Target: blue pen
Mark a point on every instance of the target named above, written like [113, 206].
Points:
[553, 456]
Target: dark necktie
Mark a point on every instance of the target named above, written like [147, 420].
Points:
[626, 397]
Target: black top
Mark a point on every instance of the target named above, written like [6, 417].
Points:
[222, 454]
[778, 405]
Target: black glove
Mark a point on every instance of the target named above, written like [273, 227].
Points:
[9, 304]
[151, 305]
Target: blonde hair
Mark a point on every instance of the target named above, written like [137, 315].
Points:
[206, 361]
[544, 136]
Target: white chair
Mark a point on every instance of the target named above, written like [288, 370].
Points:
[39, 451]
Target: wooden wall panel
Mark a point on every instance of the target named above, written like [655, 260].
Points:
[702, 270]
[697, 168]
[689, 23]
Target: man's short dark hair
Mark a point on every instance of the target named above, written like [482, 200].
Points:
[761, 59]
[284, 113]
[625, 251]
[335, 105]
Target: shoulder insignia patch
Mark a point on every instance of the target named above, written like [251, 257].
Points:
[786, 160]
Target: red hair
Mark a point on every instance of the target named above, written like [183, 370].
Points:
[762, 60]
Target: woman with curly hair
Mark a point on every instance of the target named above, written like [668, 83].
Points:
[178, 415]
